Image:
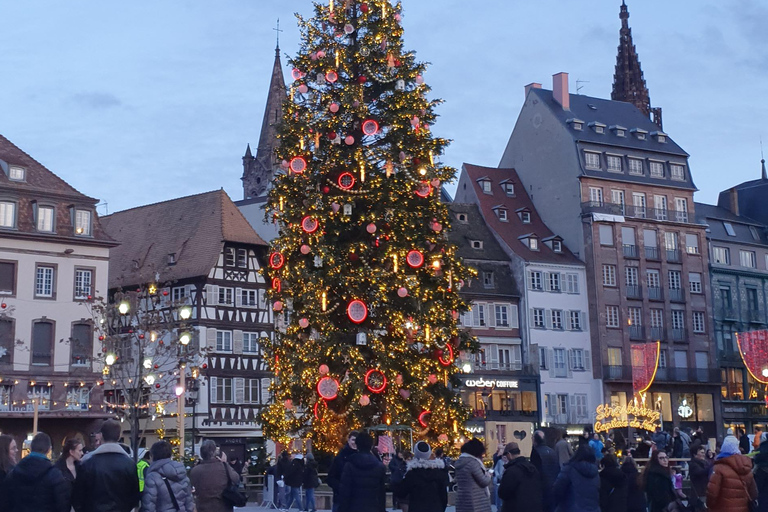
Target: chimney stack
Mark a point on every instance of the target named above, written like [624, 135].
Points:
[532, 85]
[560, 90]
[734, 196]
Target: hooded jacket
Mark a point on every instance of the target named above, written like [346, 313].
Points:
[472, 481]
[210, 478]
[35, 485]
[295, 475]
[577, 488]
[731, 476]
[699, 473]
[362, 484]
[613, 490]
[337, 468]
[425, 485]
[636, 501]
[521, 487]
[311, 480]
[547, 463]
[106, 481]
[658, 488]
[156, 498]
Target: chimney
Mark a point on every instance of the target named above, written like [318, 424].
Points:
[734, 196]
[560, 90]
[532, 85]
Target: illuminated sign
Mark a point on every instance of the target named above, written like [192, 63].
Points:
[685, 410]
[482, 383]
[623, 416]
[476, 429]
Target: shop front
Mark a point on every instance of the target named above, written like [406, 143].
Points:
[743, 401]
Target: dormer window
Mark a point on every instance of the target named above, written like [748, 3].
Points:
[508, 187]
[488, 279]
[16, 173]
[657, 169]
[45, 219]
[677, 172]
[82, 223]
[502, 214]
[557, 246]
[477, 244]
[577, 124]
[598, 127]
[635, 166]
[592, 160]
[485, 185]
[620, 131]
[639, 133]
[613, 162]
[525, 215]
[171, 259]
[660, 137]
[462, 217]
[533, 243]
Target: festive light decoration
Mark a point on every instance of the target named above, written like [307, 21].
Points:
[645, 362]
[414, 259]
[357, 311]
[328, 388]
[309, 225]
[753, 347]
[375, 381]
[346, 181]
[276, 260]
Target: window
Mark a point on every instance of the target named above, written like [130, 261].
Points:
[223, 390]
[45, 219]
[7, 277]
[747, 259]
[16, 173]
[7, 214]
[657, 169]
[577, 359]
[614, 356]
[694, 282]
[542, 358]
[678, 319]
[630, 276]
[599, 129]
[638, 200]
[533, 243]
[676, 172]
[462, 217]
[657, 318]
[611, 316]
[248, 298]
[224, 341]
[251, 391]
[674, 279]
[596, 196]
[242, 258]
[229, 257]
[81, 344]
[620, 133]
[6, 396]
[44, 282]
[502, 213]
[662, 358]
[488, 279]
[477, 244]
[534, 280]
[617, 197]
[554, 282]
[609, 275]
[502, 315]
[754, 233]
[557, 246]
[572, 283]
[721, 255]
[691, 243]
[508, 188]
[752, 302]
[636, 166]
[83, 281]
[250, 343]
[606, 234]
[559, 362]
[681, 209]
[653, 278]
[179, 294]
[41, 393]
[614, 163]
[486, 186]
[226, 295]
[538, 318]
[478, 315]
[670, 241]
[729, 229]
[635, 316]
[7, 341]
[83, 222]
[592, 160]
[42, 343]
[698, 321]
[660, 203]
[575, 319]
[525, 217]
[557, 319]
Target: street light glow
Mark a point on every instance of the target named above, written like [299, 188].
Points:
[123, 307]
[110, 359]
[185, 312]
[184, 338]
[179, 390]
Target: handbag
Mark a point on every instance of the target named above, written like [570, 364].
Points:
[231, 494]
[752, 504]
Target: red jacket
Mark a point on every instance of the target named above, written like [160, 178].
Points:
[732, 485]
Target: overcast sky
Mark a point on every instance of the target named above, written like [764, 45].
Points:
[142, 101]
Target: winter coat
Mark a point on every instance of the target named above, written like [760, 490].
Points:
[659, 489]
[156, 497]
[662, 440]
[362, 484]
[311, 480]
[337, 468]
[425, 485]
[761, 480]
[472, 481]
[295, 475]
[521, 488]
[613, 490]
[61, 464]
[744, 445]
[597, 446]
[698, 470]
[564, 451]
[397, 469]
[577, 488]
[35, 485]
[106, 481]
[547, 463]
[731, 475]
[636, 501]
[210, 478]
[681, 446]
[282, 468]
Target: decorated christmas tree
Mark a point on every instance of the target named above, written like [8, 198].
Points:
[362, 269]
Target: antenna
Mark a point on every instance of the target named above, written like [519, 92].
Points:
[278, 32]
[579, 87]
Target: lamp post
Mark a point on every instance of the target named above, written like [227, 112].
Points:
[193, 391]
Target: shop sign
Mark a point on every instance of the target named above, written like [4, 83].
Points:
[685, 411]
[623, 416]
[482, 383]
[476, 429]
[735, 410]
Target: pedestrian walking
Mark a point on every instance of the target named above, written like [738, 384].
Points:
[547, 463]
[662, 440]
[425, 485]
[282, 469]
[761, 477]
[294, 479]
[8, 458]
[680, 444]
[472, 479]
[732, 485]
[337, 467]
[636, 501]
[141, 468]
[745, 446]
[577, 488]
[34, 484]
[166, 485]
[597, 446]
[698, 471]
[563, 450]
[397, 469]
[613, 486]
[362, 485]
[521, 488]
[69, 461]
[210, 478]
[657, 481]
[311, 482]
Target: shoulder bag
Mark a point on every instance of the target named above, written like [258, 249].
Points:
[170, 493]
[231, 494]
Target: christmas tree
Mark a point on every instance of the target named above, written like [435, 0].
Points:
[362, 269]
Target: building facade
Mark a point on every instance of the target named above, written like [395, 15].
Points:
[54, 258]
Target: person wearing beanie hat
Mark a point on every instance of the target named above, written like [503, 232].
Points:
[472, 479]
[425, 485]
[363, 480]
[732, 485]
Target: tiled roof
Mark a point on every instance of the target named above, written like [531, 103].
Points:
[474, 229]
[514, 228]
[194, 228]
[714, 216]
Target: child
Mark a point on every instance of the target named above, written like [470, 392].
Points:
[678, 481]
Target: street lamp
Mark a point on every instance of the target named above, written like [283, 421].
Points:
[185, 338]
[123, 307]
[185, 312]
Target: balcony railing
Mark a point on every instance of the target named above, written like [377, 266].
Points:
[676, 295]
[630, 251]
[657, 334]
[636, 332]
[624, 373]
[614, 372]
[728, 313]
[755, 316]
[634, 291]
[639, 212]
[652, 253]
[678, 335]
[674, 256]
[655, 293]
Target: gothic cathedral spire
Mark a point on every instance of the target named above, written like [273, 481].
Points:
[259, 170]
[628, 82]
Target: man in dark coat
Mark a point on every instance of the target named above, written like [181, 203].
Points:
[547, 463]
[699, 469]
[363, 479]
[294, 479]
[337, 467]
[613, 486]
[282, 468]
[35, 485]
[426, 481]
[521, 488]
[397, 468]
[107, 480]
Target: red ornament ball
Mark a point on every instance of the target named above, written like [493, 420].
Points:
[205, 366]
[157, 385]
[326, 189]
[323, 369]
[353, 256]
[432, 378]
[305, 249]
[3, 305]
[349, 140]
[361, 79]
[365, 400]
[157, 366]
[277, 306]
[303, 89]
[321, 54]
[288, 404]
[101, 338]
[371, 228]
[363, 8]
[402, 292]
[334, 108]
[331, 135]
[141, 336]
[303, 323]
[165, 293]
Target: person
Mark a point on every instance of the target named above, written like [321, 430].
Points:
[597, 446]
[166, 485]
[761, 477]
[661, 439]
[547, 463]
[8, 456]
[310, 483]
[521, 488]
[698, 471]
[744, 443]
[397, 469]
[425, 484]
[643, 450]
[757, 439]
[281, 470]
[577, 488]
[585, 437]
[363, 479]
[141, 468]
[69, 461]
[680, 444]
[563, 450]
[237, 465]
[472, 479]
[732, 485]
[498, 472]
[337, 467]
[440, 454]
[613, 486]
[636, 501]
[657, 481]
[107, 478]
[294, 479]
[34, 484]
[210, 478]
[699, 437]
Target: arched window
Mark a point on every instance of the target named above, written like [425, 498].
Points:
[42, 342]
[81, 344]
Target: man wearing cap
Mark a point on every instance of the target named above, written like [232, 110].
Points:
[520, 489]
[294, 478]
[426, 481]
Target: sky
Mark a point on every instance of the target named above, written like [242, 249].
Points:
[143, 101]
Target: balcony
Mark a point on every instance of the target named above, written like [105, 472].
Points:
[727, 313]
[655, 293]
[676, 295]
[678, 374]
[652, 253]
[755, 316]
[657, 334]
[678, 335]
[634, 291]
[674, 256]
[637, 212]
[690, 375]
[636, 332]
[614, 372]
[630, 251]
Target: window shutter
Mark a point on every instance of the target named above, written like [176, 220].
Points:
[545, 277]
[514, 321]
[530, 280]
[551, 362]
[571, 358]
[239, 390]
[189, 292]
[532, 321]
[238, 297]
[587, 360]
[466, 319]
[210, 338]
[569, 367]
[567, 320]
[237, 342]
[212, 292]
[475, 315]
[584, 326]
[265, 390]
[494, 356]
[212, 382]
[574, 409]
[491, 312]
[548, 318]
[552, 405]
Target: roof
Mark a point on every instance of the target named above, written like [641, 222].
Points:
[462, 234]
[194, 228]
[514, 228]
[751, 199]
[714, 216]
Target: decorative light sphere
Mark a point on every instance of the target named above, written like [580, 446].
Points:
[334, 108]
[437, 227]
[323, 369]
[124, 307]
[110, 359]
[466, 368]
[305, 249]
[277, 306]
[349, 140]
[303, 89]
[365, 400]
[185, 338]
[419, 79]
[402, 292]
[179, 390]
[331, 76]
[432, 378]
[415, 121]
[765, 372]
[303, 323]
[185, 312]
[371, 228]
[455, 314]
